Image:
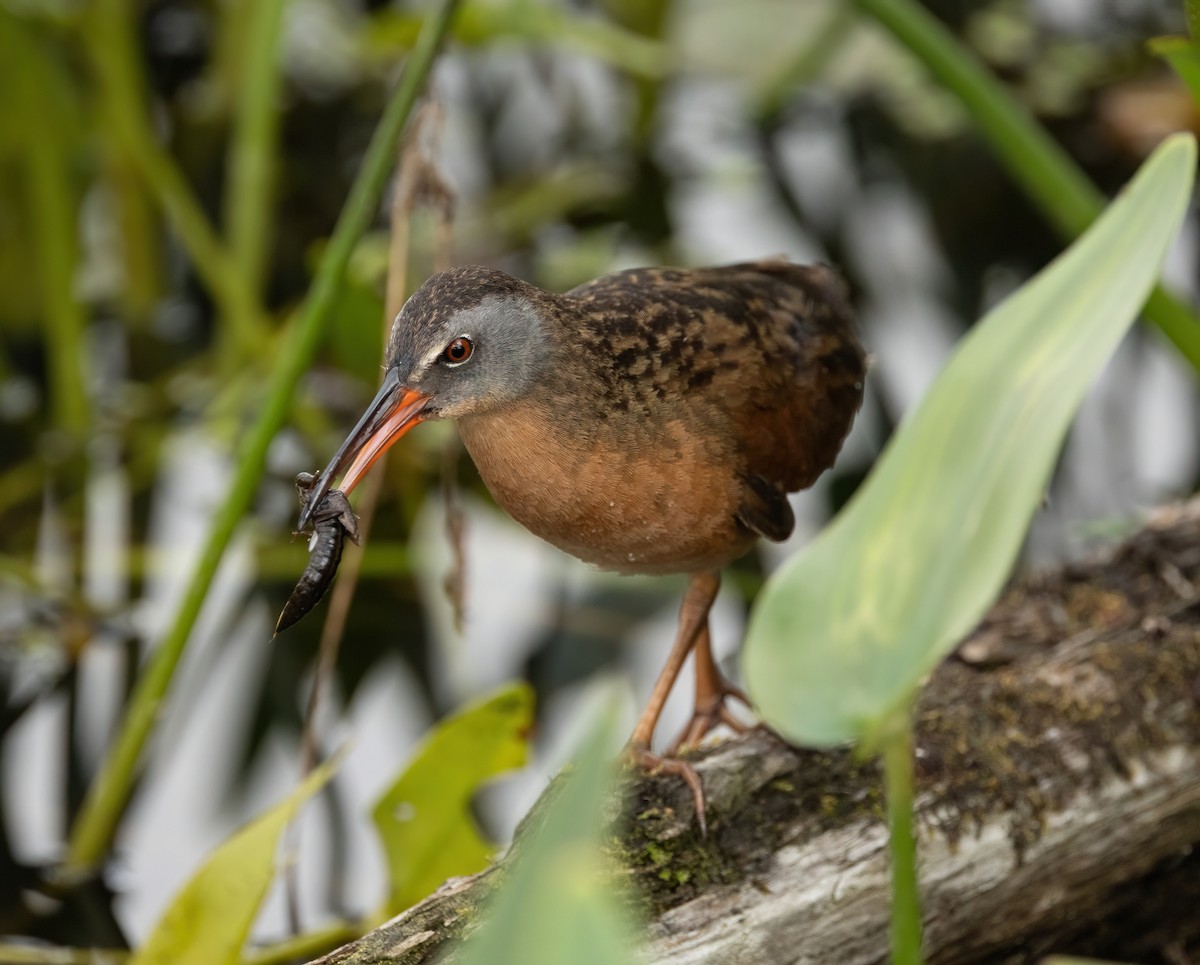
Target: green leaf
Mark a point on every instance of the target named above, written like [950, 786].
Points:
[1184, 57]
[843, 634]
[557, 902]
[208, 921]
[425, 820]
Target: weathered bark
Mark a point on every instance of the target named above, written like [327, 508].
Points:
[1059, 799]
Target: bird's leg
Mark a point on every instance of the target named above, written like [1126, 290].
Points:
[712, 691]
[693, 625]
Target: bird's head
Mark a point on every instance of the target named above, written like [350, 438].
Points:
[468, 341]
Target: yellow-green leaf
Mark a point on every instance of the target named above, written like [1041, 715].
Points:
[208, 921]
[424, 819]
[844, 632]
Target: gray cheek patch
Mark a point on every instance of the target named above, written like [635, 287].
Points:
[509, 341]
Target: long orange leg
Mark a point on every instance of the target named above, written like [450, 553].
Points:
[693, 625]
[712, 690]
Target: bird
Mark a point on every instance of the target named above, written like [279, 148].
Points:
[653, 420]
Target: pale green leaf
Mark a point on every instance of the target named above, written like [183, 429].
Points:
[424, 818]
[208, 921]
[843, 634]
[557, 902]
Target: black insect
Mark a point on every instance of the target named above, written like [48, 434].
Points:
[331, 522]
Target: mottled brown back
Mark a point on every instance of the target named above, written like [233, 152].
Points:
[770, 346]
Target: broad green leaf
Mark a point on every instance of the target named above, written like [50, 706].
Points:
[424, 818]
[557, 902]
[843, 634]
[208, 921]
[1184, 57]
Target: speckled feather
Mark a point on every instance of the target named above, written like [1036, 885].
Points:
[770, 345]
[672, 409]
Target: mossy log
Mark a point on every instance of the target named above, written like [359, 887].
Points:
[1058, 759]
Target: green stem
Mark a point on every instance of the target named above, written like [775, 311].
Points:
[906, 902]
[106, 799]
[108, 31]
[138, 222]
[248, 200]
[54, 245]
[54, 240]
[52, 205]
[1047, 173]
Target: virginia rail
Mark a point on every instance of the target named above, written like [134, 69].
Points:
[650, 421]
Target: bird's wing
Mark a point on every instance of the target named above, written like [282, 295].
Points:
[765, 509]
[768, 346]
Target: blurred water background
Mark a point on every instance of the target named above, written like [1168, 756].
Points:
[578, 138]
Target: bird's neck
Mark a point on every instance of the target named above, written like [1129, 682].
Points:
[520, 431]
[528, 457]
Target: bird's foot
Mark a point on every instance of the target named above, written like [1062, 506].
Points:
[640, 755]
[711, 710]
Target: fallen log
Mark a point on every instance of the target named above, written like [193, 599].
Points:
[1058, 778]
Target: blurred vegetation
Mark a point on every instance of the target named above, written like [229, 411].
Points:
[932, 534]
[171, 175]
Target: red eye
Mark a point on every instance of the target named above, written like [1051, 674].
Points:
[458, 351]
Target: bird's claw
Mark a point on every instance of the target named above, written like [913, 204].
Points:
[641, 756]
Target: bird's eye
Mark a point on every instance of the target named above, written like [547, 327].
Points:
[458, 351]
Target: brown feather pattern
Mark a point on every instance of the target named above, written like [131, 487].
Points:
[673, 408]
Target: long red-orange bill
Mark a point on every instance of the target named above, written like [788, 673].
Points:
[394, 410]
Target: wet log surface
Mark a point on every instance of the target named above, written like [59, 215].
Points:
[1058, 778]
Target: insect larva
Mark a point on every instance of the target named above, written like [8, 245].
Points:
[332, 521]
